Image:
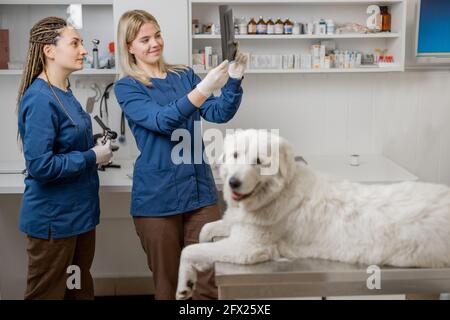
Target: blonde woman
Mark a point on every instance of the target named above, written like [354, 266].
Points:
[60, 205]
[170, 202]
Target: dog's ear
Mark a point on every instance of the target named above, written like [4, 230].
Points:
[287, 158]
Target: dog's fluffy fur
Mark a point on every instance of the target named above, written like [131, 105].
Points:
[297, 213]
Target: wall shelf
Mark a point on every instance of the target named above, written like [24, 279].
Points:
[340, 11]
[395, 68]
[19, 16]
[382, 35]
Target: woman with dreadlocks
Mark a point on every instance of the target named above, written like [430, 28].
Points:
[60, 205]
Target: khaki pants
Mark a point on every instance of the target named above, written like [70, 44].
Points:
[163, 238]
[48, 261]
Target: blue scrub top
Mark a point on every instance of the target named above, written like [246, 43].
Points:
[61, 187]
[160, 187]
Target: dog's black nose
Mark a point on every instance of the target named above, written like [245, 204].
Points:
[234, 183]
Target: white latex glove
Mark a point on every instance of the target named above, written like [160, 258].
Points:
[237, 67]
[103, 153]
[99, 141]
[215, 79]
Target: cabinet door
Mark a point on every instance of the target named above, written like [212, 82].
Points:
[172, 16]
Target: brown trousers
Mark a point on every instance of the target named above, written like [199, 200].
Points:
[163, 238]
[48, 261]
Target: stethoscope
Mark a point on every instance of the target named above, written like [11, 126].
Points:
[62, 105]
[73, 123]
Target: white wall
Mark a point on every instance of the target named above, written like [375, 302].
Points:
[403, 116]
[172, 18]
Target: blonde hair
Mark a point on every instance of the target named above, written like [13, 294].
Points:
[129, 25]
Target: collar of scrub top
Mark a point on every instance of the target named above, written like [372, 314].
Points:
[162, 83]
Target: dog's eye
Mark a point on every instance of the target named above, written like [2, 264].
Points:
[235, 154]
[258, 160]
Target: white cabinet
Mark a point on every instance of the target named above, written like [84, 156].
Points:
[19, 16]
[100, 20]
[302, 11]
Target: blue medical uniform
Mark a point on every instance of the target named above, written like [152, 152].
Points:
[61, 187]
[161, 187]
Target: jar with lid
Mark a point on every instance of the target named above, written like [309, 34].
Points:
[330, 26]
[322, 27]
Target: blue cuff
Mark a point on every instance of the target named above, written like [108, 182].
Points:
[90, 157]
[233, 84]
[185, 106]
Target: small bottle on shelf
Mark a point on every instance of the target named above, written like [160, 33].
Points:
[261, 26]
[251, 27]
[279, 26]
[385, 19]
[270, 26]
[243, 26]
[195, 26]
[288, 26]
[296, 29]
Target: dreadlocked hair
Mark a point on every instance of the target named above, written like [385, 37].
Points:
[44, 32]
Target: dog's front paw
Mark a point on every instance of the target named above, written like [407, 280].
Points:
[256, 256]
[206, 234]
[186, 283]
[185, 291]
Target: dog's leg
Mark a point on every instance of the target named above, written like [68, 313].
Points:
[214, 229]
[202, 256]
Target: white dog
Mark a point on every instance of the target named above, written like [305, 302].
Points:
[297, 213]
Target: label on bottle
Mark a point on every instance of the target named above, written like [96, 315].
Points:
[279, 28]
[288, 29]
[261, 29]
[243, 28]
[270, 29]
[252, 28]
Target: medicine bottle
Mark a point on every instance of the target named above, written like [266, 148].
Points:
[288, 26]
[279, 26]
[270, 26]
[385, 19]
[261, 26]
[251, 27]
